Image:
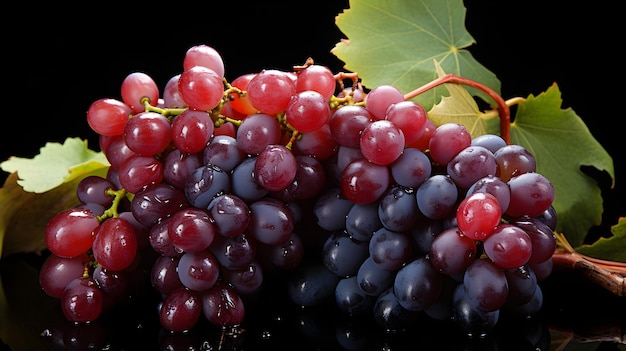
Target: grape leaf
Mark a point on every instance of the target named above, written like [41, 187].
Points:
[55, 164]
[47, 185]
[562, 144]
[460, 107]
[609, 248]
[395, 42]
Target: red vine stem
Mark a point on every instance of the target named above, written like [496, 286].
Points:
[503, 109]
[608, 274]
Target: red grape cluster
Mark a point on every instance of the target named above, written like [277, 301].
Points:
[213, 183]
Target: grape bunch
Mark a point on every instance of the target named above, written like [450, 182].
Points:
[460, 230]
[213, 184]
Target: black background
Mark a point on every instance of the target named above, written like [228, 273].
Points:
[58, 60]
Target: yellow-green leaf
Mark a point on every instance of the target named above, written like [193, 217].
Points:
[561, 144]
[55, 164]
[395, 42]
[460, 107]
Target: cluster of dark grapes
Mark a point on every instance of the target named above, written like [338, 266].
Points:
[213, 184]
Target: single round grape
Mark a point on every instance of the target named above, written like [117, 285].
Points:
[363, 181]
[330, 209]
[243, 182]
[372, 278]
[390, 315]
[531, 195]
[191, 229]
[82, 300]
[485, 285]
[198, 270]
[94, 189]
[471, 164]
[307, 111]
[436, 197]
[410, 117]
[380, 98]
[411, 168]
[542, 238]
[115, 245]
[397, 209]
[222, 306]
[382, 142]
[136, 87]
[204, 184]
[362, 221]
[271, 221]
[343, 255]
[163, 274]
[230, 213]
[451, 252]
[108, 116]
[417, 285]
[222, 151]
[270, 91]
[180, 310]
[514, 160]
[522, 283]
[117, 151]
[275, 167]
[71, 232]
[156, 203]
[347, 123]
[192, 130]
[477, 215]
[350, 299]
[317, 78]
[177, 165]
[201, 88]
[234, 252]
[448, 140]
[256, 132]
[148, 133]
[139, 172]
[389, 249]
[508, 246]
[206, 56]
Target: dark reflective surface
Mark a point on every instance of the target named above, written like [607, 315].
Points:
[576, 315]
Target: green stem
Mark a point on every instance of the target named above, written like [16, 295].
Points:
[503, 109]
[119, 195]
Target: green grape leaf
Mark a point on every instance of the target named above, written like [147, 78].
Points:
[395, 42]
[561, 144]
[611, 248]
[40, 187]
[55, 164]
[460, 107]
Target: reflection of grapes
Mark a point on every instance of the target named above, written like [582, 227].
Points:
[213, 186]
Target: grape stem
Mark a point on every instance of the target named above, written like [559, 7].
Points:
[503, 109]
[611, 275]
